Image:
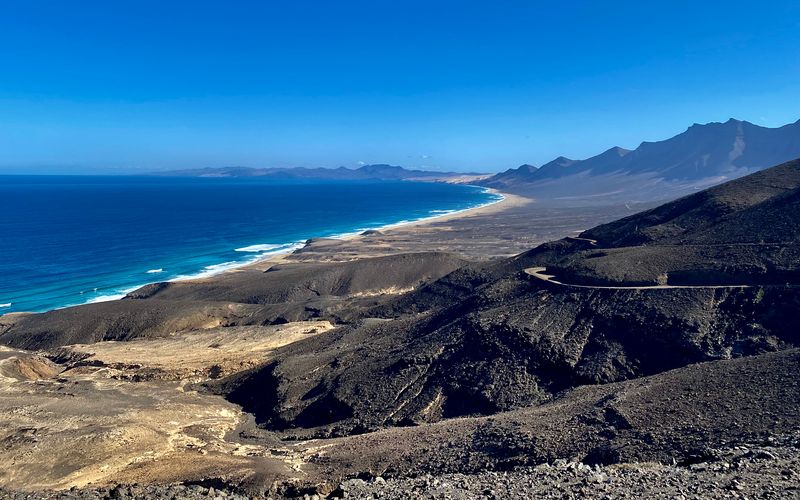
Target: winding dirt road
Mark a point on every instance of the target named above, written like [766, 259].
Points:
[539, 273]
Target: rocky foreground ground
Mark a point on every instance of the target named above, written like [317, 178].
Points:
[753, 471]
[769, 468]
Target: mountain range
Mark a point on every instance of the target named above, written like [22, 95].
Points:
[366, 172]
[701, 156]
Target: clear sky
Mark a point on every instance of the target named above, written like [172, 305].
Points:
[124, 86]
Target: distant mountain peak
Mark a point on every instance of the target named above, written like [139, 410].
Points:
[729, 121]
[703, 153]
[618, 151]
[560, 162]
[379, 166]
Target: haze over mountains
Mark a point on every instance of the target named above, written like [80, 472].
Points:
[365, 172]
[701, 156]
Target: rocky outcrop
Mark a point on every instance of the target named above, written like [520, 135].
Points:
[488, 354]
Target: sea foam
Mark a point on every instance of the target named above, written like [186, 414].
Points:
[120, 294]
[215, 269]
[203, 246]
[265, 247]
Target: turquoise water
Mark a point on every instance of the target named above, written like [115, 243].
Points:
[67, 240]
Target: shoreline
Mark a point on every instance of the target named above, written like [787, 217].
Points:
[280, 255]
[283, 251]
[505, 201]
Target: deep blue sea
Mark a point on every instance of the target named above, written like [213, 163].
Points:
[67, 240]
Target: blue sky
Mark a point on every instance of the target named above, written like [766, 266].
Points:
[137, 86]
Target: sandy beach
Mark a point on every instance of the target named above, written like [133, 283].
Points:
[505, 228]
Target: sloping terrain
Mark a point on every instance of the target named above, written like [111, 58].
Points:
[701, 156]
[287, 282]
[120, 412]
[741, 211]
[282, 293]
[742, 232]
[95, 425]
[426, 364]
[117, 320]
[677, 415]
[492, 338]
[487, 355]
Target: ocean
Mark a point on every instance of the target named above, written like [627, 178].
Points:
[68, 240]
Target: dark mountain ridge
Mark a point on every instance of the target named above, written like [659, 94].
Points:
[702, 155]
[491, 338]
[286, 292]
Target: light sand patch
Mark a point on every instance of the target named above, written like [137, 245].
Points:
[122, 412]
[399, 238]
[393, 290]
[93, 429]
[201, 354]
[28, 367]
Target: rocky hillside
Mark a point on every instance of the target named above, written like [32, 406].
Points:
[744, 232]
[249, 296]
[492, 338]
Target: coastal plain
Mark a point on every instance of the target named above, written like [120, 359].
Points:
[425, 358]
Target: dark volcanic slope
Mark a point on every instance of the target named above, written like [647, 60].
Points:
[677, 415]
[762, 206]
[286, 292]
[488, 339]
[297, 282]
[116, 320]
[742, 232]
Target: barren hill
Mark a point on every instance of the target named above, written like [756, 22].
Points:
[492, 338]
